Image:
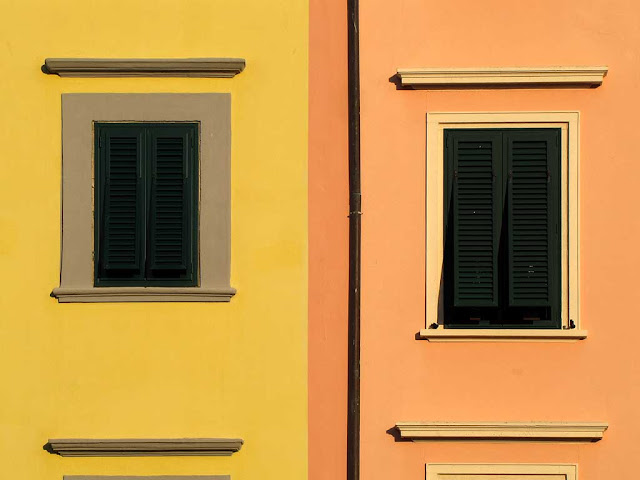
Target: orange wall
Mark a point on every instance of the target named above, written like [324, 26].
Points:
[328, 239]
[404, 379]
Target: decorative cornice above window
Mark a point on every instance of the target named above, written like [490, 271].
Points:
[156, 447]
[501, 76]
[144, 67]
[502, 431]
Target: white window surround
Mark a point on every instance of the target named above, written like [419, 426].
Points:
[502, 431]
[505, 471]
[501, 76]
[568, 123]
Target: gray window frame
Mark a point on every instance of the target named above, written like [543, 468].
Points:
[80, 111]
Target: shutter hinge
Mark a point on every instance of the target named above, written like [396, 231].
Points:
[510, 175]
[100, 141]
[455, 174]
[548, 176]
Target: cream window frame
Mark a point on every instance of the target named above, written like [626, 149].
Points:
[505, 471]
[569, 124]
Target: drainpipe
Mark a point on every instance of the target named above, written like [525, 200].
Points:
[353, 395]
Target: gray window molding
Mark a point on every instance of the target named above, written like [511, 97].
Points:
[136, 447]
[213, 113]
[144, 67]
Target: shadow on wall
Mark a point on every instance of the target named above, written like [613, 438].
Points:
[49, 448]
[395, 433]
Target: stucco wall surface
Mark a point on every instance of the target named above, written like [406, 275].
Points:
[328, 239]
[235, 369]
[405, 379]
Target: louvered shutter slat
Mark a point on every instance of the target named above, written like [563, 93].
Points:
[122, 203]
[475, 203]
[171, 200]
[533, 163]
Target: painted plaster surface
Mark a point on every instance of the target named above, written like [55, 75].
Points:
[328, 239]
[135, 370]
[403, 379]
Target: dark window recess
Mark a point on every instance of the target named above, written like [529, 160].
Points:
[502, 228]
[146, 204]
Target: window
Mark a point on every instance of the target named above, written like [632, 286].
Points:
[505, 471]
[502, 228]
[146, 222]
[196, 270]
[530, 326]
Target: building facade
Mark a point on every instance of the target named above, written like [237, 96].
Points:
[498, 239]
[159, 357]
[328, 239]
[175, 240]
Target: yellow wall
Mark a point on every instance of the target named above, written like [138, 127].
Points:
[157, 370]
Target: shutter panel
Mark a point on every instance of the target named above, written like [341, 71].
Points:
[477, 204]
[172, 202]
[121, 203]
[533, 162]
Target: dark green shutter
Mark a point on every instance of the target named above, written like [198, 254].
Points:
[172, 201]
[533, 162]
[146, 204]
[121, 235]
[476, 203]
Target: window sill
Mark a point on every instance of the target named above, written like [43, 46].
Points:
[511, 335]
[142, 294]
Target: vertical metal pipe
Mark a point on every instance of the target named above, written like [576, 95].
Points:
[353, 413]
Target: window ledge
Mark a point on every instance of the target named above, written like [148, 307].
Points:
[136, 447]
[509, 76]
[490, 335]
[144, 67]
[142, 294]
[555, 431]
